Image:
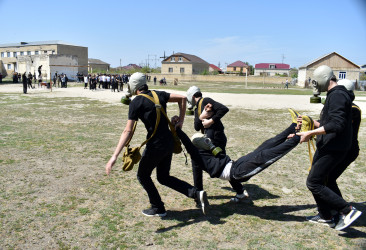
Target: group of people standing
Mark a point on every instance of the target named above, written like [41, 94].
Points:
[106, 81]
[336, 135]
[60, 79]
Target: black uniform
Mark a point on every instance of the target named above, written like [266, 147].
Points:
[332, 149]
[217, 135]
[216, 131]
[159, 150]
[352, 154]
[246, 166]
[24, 80]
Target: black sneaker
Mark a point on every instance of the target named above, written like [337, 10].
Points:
[238, 197]
[320, 220]
[346, 219]
[154, 212]
[202, 201]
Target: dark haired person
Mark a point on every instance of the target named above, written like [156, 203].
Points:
[159, 150]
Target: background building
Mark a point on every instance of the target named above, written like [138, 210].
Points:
[54, 56]
[271, 69]
[237, 67]
[96, 64]
[181, 63]
[342, 68]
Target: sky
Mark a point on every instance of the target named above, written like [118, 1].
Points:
[220, 32]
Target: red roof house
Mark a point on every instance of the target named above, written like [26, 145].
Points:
[271, 69]
[237, 67]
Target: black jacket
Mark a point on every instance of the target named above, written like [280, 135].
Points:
[336, 118]
[216, 130]
[203, 161]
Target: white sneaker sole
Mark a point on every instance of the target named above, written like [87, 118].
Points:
[350, 221]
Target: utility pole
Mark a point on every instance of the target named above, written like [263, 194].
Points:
[283, 58]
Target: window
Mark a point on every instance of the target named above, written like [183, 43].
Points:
[45, 52]
[342, 75]
[7, 54]
[181, 70]
[234, 69]
[170, 70]
[15, 54]
[22, 53]
[9, 66]
[53, 52]
[28, 53]
[2, 54]
[37, 52]
[272, 66]
[180, 59]
[172, 59]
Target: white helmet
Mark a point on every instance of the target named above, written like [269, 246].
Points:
[350, 86]
[322, 76]
[190, 99]
[136, 81]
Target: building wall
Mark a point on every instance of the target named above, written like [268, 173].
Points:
[338, 65]
[95, 67]
[176, 68]
[271, 72]
[35, 50]
[59, 49]
[80, 52]
[62, 64]
[198, 68]
[220, 78]
[237, 69]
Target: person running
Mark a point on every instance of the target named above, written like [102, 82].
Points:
[333, 141]
[159, 149]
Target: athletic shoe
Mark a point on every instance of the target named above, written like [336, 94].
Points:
[320, 220]
[294, 115]
[202, 201]
[346, 219]
[154, 212]
[239, 197]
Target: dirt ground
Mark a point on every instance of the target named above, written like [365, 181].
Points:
[54, 193]
[247, 101]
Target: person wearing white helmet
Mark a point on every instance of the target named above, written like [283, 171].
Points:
[159, 149]
[333, 141]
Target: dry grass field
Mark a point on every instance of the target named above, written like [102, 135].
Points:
[54, 193]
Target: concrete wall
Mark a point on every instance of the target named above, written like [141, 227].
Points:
[176, 68]
[51, 64]
[219, 78]
[96, 67]
[80, 52]
[64, 64]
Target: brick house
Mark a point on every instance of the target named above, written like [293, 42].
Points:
[341, 66]
[237, 67]
[181, 63]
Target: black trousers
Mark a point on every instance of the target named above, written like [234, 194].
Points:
[265, 155]
[321, 181]
[161, 160]
[334, 175]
